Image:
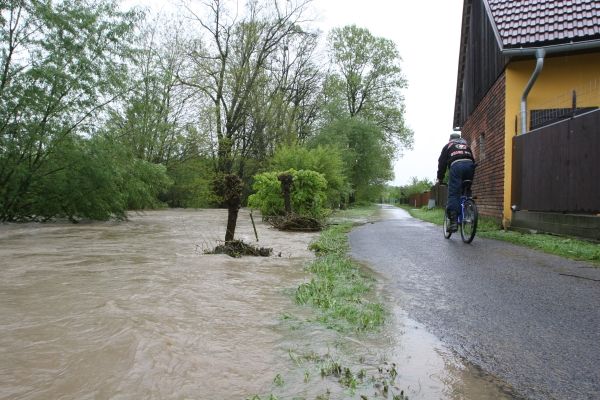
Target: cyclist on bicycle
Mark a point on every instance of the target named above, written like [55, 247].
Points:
[458, 157]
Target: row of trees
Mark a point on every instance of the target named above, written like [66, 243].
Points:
[104, 110]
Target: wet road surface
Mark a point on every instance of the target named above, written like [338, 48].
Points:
[531, 319]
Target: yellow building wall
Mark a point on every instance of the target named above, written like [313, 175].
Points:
[553, 89]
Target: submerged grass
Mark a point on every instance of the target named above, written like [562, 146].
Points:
[343, 295]
[380, 381]
[338, 287]
[575, 249]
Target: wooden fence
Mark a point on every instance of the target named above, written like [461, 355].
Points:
[557, 168]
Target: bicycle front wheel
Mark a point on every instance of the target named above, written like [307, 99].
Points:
[468, 226]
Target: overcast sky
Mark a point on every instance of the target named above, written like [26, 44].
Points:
[427, 33]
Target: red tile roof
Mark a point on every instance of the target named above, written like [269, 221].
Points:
[532, 23]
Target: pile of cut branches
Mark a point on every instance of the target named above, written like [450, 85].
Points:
[237, 248]
[295, 222]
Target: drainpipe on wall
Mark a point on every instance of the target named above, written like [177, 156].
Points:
[539, 55]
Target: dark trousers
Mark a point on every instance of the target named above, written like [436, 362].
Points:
[459, 172]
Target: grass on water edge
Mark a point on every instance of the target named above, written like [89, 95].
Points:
[575, 249]
[343, 294]
[338, 288]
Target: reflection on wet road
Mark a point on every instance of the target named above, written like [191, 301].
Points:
[514, 312]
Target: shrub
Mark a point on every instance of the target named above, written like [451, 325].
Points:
[308, 193]
[267, 197]
[327, 160]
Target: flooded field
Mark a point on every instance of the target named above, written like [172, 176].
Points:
[131, 310]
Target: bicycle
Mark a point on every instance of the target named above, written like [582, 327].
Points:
[467, 217]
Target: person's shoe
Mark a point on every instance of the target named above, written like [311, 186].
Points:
[453, 227]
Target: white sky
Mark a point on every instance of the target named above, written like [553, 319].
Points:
[427, 33]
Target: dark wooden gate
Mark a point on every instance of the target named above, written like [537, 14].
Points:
[557, 168]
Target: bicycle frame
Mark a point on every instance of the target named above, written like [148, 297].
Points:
[461, 214]
[468, 227]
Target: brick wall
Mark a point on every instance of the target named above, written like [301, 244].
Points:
[484, 130]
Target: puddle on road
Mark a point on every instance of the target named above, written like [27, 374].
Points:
[124, 310]
[429, 370]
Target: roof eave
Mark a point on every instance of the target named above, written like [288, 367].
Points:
[552, 49]
[510, 52]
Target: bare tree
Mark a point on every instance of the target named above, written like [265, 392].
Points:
[231, 64]
[153, 121]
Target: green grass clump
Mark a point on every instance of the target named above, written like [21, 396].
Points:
[332, 240]
[490, 228]
[562, 246]
[338, 288]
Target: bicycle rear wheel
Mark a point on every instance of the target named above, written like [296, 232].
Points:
[445, 226]
[468, 226]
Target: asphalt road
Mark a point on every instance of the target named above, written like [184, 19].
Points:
[531, 319]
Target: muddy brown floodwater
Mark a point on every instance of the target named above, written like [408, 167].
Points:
[132, 310]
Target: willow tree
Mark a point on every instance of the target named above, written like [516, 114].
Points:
[61, 63]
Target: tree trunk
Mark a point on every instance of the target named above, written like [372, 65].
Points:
[286, 180]
[232, 214]
[230, 187]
